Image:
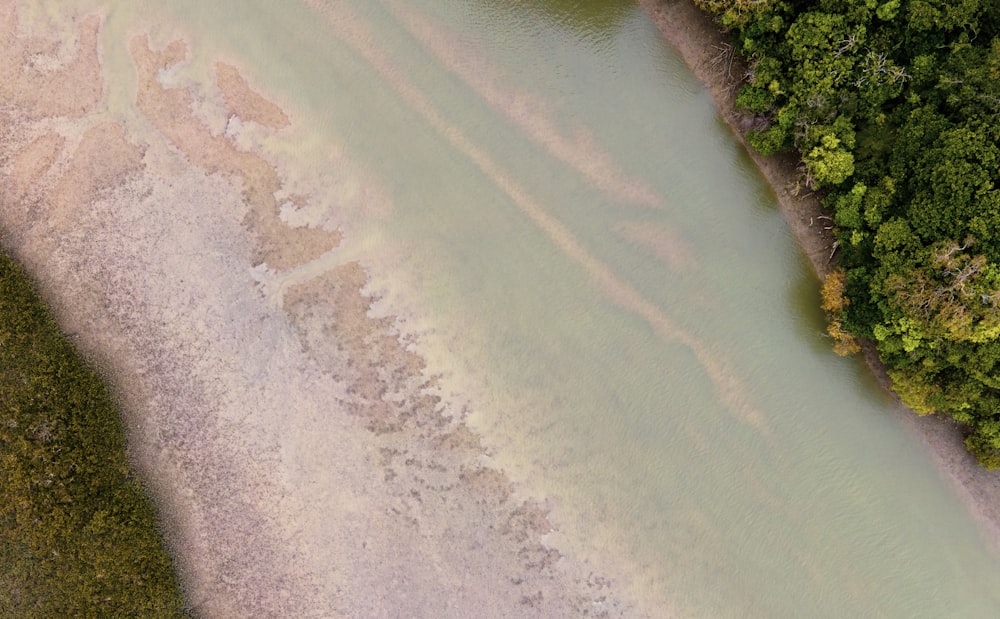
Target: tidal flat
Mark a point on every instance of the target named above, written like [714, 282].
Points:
[303, 458]
[465, 309]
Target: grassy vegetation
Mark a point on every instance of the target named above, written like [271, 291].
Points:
[78, 537]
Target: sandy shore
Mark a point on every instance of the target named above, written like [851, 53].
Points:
[709, 54]
[304, 461]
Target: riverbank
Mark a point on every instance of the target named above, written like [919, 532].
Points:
[709, 54]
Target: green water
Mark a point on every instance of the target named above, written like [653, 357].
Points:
[675, 400]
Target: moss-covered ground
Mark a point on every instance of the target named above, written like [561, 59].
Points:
[78, 536]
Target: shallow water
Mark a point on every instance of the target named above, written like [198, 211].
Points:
[593, 264]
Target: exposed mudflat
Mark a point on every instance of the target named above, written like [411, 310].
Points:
[305, 462]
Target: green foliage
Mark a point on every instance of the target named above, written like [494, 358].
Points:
[953, 294]
[830, 163]
[944, 15]
[888, 10]
[753, 99]
[894, 107]
[78, 538]
[769, 141]
[737, 13]
[848, 209]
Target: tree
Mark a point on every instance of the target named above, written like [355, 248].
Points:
[829, 163]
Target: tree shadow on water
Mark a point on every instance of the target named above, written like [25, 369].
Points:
[594, 20]
[810, 327]
[809, 320]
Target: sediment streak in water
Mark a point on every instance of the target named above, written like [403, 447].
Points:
[728, 386]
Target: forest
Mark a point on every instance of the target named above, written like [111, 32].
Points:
[893, 108]
[78, 535]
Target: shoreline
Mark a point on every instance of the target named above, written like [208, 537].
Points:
[709, 54]
[263, 393]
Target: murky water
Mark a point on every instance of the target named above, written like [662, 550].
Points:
[591, 262]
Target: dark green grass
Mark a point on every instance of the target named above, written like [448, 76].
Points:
[78, 537]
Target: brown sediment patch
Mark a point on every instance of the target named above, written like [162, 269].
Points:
[665, 243]
[461, 438]
[245, 102]
[574, 145]
[30, 163]
[729, 388]
[462, 518]
[359, 192]
[104, 159]
[170, 112]
[380, 372]
[700, 41]
[72, 89]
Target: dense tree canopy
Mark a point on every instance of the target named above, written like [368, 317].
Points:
[894, 106]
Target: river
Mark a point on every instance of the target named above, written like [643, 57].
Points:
[579, 248]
